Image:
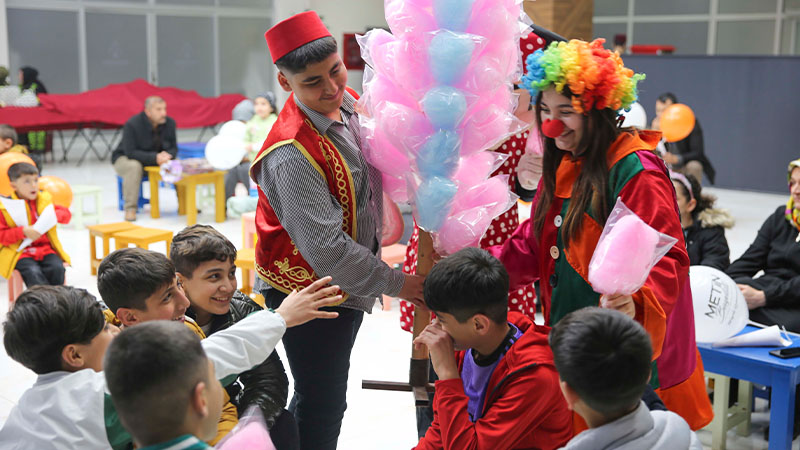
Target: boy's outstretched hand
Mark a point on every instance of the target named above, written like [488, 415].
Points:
[300, 307]
[440, 344]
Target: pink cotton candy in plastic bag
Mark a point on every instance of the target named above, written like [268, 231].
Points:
[626, 252]
[250, 433]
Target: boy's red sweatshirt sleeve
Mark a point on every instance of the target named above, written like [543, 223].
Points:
[527, 400]
[9, 235]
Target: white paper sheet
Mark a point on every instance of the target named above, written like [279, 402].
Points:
[766, 337]
[47, 220]
[16, 209]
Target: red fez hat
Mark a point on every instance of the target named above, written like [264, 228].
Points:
[293, 33]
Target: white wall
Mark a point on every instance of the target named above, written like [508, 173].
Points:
[3, 35]
[353, 16]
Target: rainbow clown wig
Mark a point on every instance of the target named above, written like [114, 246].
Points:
[596, 76]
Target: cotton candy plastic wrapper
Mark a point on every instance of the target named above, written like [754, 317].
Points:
[626, 252]
[250, 433]
[473, 211]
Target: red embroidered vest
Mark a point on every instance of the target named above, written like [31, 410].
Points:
[278, 261]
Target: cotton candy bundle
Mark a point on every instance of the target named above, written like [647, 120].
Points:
[626, 252]
[437, 96]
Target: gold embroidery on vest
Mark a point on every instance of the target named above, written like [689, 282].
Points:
[294, 273]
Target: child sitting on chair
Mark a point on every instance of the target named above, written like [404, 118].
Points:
[8, 140]
[28, 230]
[603, 359]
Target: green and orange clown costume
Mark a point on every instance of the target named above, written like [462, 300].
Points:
[598, 79]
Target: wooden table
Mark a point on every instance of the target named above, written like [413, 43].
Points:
[187, 193]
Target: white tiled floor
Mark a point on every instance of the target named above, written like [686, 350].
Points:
[374, 419]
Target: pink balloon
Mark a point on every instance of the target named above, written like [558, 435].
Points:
[623, 258]
[384, 156]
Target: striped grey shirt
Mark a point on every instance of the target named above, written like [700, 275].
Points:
[313, 217]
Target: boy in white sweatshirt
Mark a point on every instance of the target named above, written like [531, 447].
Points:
[603, 358]
[60, 333]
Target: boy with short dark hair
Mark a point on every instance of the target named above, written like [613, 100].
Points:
[28, 233]
[204, 262]
[58, 332]
[499, 389]
[140, 285]
[603, 359]
[8, 140]
[166, 395]
[73, 409]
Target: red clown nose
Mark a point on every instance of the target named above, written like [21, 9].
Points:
[552, 128]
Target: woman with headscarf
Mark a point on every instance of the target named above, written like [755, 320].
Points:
[774, 297]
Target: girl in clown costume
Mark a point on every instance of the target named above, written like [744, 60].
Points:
[578, 89]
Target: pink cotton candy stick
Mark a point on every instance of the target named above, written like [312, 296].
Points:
[252, 436]
[624, 256]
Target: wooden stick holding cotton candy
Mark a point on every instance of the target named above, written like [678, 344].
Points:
[626, 252]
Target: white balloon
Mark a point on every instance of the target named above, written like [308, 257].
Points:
[233, 129]
[720, 310]
[224, 152]
[636, 117]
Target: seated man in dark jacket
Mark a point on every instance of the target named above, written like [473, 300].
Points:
[686, 156]
[204, 262]
[148, 139]
[774, 297]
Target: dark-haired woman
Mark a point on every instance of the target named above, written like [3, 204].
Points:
[589, 161]
[703, 224]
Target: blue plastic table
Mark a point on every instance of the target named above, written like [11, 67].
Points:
[756, 365]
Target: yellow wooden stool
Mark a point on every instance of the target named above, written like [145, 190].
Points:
[246, 260]
[105, 232]
[143, 237]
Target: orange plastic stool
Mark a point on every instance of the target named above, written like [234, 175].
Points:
[142, 237]
[105, 232]
[246, 260]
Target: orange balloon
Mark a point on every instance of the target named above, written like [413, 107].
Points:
[58, 188]
[677, 122]
[7, 160]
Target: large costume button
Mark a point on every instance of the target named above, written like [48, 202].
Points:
[558, 221]
[554, 252]
[553, 280]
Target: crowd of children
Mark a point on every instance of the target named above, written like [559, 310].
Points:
[195, 354]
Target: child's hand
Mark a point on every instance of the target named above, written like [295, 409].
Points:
[622, 303]
[440, 345]
[30, 233]
[300, 307]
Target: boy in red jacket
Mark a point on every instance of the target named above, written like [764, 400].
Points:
[500, 390]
